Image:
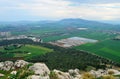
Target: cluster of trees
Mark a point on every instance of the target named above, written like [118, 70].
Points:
[5, 56]
[70, 59]
[15, 41]
[64, 58]
[12, 47]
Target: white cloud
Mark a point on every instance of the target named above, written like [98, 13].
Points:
[58, 9]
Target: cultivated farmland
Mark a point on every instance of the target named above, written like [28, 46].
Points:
[109, 49]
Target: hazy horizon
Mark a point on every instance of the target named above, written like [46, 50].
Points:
[35, 10]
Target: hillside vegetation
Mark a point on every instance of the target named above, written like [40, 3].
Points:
[64, 59]
[23, 52]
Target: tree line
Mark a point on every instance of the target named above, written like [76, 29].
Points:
[64, 58]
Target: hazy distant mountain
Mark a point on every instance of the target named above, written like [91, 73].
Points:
[117, 22]
[82, 23]
[74, 22]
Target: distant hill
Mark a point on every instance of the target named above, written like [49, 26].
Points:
[69, 22]
[76, 22]
[84, 23]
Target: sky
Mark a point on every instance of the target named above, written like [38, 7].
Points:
[20, 10]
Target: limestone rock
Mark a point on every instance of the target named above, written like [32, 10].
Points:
[7, 65]
[1, 64]
[1, 75]
[41, 71]
[20, 63]
[34, 77]
[75, 74]
[113, 70]
[14, 72]
[38, 77]
[78, 77]
[98, 73]
[62, 75]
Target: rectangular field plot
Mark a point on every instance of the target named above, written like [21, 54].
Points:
[73, 41]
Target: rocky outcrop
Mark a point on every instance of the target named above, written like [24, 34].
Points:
[62, 75]
[1, 65]
[94, 74]
[9, 65]
[34, 77]
[14, 72]
[38, 77]
[75, 74]
[112, 71]
[98, 73]
[1, 75]
[41, 71]
[101, 72]
[71, 74]
[20, 63]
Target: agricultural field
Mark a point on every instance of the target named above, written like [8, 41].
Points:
[91, 34]
[105, 47]
[108, 48]
[26, 51]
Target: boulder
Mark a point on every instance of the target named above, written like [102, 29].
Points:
[1, 75]
[38, 77]
[14, 72]
[20, 63]
[98, 73]
[34, 77]
[117, 73]
[62, 75]
[74, 72]
[78, 77]
[41, 71]
[7, 65]
[113, 71]
[1, 65]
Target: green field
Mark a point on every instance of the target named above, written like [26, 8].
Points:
[106, 47]
[86, 34]
[109, 49]
[27, 51]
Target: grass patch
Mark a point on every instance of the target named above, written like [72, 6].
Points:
[27, 51]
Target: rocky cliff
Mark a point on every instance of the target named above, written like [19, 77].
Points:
[21, 69]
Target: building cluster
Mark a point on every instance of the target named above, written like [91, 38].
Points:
[117, 38]
[35, 39]
[6, 34]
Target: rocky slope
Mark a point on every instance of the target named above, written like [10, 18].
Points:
[21, 69]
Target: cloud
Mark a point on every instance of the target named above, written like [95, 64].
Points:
[59, 9]
[95, 1]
